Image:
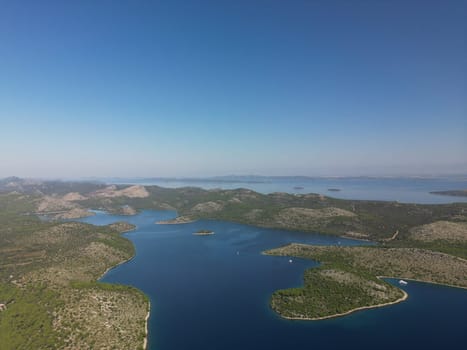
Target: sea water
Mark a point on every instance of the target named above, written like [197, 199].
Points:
[212, 292]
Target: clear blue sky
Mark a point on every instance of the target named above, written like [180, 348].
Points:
[195, 88]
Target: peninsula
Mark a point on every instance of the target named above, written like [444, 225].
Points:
[349, 278]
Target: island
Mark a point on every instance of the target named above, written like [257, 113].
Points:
[334, 189]
[298, 188]
[203, 233]
[454, 193]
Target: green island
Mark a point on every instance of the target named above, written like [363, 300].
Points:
[49, 269]
[203, 233]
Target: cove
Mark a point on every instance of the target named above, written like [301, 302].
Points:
[212, 292]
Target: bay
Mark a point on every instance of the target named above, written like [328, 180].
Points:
[212, 292]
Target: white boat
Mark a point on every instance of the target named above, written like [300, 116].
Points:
[290, 260]
[402, 283]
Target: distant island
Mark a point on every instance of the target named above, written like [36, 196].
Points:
[456, 193]
[203, 233]
[298, 187]
[334, 189]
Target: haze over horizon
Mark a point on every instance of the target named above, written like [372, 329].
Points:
[210, 88]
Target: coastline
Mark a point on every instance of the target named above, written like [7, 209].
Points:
[424, 281]
[115, 266]
[121, 262]
[401, 299]
[356, 238]
[146, 321]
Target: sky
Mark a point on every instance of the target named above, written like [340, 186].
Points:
[203, 88]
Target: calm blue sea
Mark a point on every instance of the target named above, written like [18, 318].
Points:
[404, 190]
[212, 292]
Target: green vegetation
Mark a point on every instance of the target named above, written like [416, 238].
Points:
[41, 259]
[347, 278]
[375, 220]
[330, 291]
[28, 322]
[334, 289]
[48, 274]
